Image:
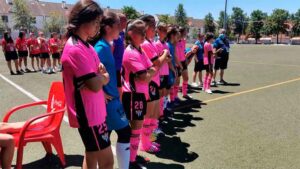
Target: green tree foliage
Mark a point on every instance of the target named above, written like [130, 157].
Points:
[221, 21]
[209, 23]
[180, 16]
[276, 23]
[296, 23]
[257, 18]
[55, 23]
[239, 20]
[130, 12]
[22, 17]
[166, 19]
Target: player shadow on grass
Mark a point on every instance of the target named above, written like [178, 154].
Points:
[155, 165]
[53, 162]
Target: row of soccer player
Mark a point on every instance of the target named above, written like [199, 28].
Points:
[38, 49]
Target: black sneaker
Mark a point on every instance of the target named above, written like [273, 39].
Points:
[19, 73]
[188, 97]
[27, 70]
[21, 70]
[12, 73]
[135, 165]
[223, 82]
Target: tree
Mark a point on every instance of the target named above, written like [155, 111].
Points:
[22, 16]
[55, 23]
[296, 23]
[209, 23]
[277, 22]
[130, 12]
[257, 18]
[166, 19]
[180, 16]
[238, 20]
[221, 21]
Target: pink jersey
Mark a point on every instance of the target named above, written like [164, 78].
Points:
[208, 48]
[80, 62]
[135, 62]
[151, 52]
[161, 46]
[180, 48]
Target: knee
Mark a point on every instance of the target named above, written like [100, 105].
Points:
[108, 163]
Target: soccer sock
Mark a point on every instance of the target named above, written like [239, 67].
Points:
[184, 88]
[134, 144]
[161, 106]
[123, 155]
[176, 88]
[209, 82]
[205, 82]
[146, 131]
[172, 95]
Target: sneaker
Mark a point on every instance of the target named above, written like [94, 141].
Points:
[156, 144]
[27, 70]
[194, 84]
[177, 101]
[142, 159]
[208, 91]
[12, 73]
[151, 149]
[188, 97]
[19, 73]
[222, 82]
[158, 132]
[135, 165]
[200, 84]
[213, 83]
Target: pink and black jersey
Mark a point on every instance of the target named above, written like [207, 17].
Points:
[206, 58]
[180, 48]
[80, 62]
[151, 52]
[161, 46]
[135, 62]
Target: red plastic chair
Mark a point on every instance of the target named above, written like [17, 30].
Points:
[43, 128]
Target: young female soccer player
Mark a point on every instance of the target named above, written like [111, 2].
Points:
[21, 45]
[116, 117]
[45, 57]
[208, 61]
[84, 76]
[152, 115]
[34, 51]
[137, 73]
[54, 43]
[180, 48]
[10, 53]
[161, 45]
[199, 67]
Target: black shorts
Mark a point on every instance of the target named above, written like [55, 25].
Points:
[135, 105]
[184, 65]
[95, 138]
[23, 53]
[56, 56]
[208, 68]
[199, 66]
[35, 55]
[222, 62]
[153, 91]
[119, 81]
[45, 55]
[11, 56]
[164, 80]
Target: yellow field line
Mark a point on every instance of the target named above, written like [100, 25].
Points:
[270, 64]
[252, 90]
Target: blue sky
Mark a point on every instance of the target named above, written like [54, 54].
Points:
[199, 8]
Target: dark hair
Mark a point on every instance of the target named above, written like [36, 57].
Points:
[133, 26]
[209, 36]
[162, 26]
[82, 12]
[172, 30]
[21, 34]
[109, 19]
[200, 35]
[148, 19]
[7, 38]
[52, 34]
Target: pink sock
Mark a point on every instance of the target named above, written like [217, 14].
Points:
[154, 124]
[146, 131]
[205, 82]
[209, 82]
[172, 96]
[184, 88]
[176, 88]
[161, 106]
[134, 144]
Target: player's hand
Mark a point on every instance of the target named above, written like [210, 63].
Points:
[102, 69]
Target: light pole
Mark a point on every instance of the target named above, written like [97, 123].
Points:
[225, 13]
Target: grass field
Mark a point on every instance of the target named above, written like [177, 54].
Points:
[253, 123]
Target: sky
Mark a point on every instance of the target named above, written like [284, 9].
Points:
[199, 8]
